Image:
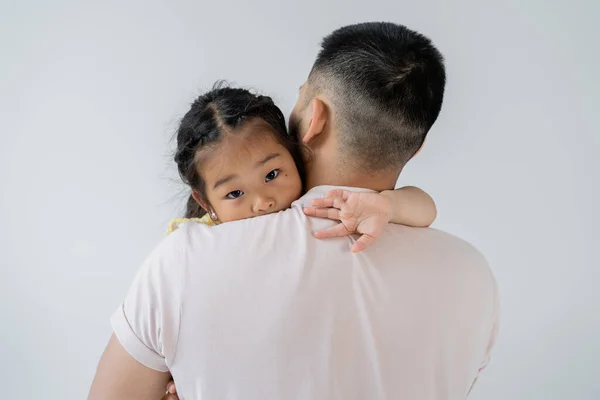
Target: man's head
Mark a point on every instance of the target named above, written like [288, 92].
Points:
[372, 95]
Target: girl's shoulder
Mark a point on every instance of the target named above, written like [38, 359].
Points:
[177, 222]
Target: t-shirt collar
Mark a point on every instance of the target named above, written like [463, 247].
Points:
[321, 191]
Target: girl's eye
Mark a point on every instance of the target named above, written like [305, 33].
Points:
[272, 175]
[235, 194]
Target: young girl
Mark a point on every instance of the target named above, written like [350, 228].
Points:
[235, 153]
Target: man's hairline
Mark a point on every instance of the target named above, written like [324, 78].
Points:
[323, 85]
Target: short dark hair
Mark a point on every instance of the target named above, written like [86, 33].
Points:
[387, 85]
[211, 117]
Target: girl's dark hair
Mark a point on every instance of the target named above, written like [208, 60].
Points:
[220, 111]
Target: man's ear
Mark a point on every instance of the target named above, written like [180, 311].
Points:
[318, 120]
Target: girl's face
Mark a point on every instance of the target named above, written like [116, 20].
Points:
[249, 174]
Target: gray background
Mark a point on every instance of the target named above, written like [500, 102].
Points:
[90, 95]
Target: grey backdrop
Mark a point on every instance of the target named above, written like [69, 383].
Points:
[90, 95]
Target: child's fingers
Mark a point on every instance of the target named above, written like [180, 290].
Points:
[324, 202]
[171, 392]
[336, 202]
[344, 194]
[362, 243]
[335, 231]
[330, 213]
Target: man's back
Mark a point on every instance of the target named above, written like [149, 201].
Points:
[269, 312]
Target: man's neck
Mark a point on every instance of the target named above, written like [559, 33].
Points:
[323, 176]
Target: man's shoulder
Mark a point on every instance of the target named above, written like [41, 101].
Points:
[284, 220]
[432, 238]
[246, 233]
[461, 245]
[433, 247]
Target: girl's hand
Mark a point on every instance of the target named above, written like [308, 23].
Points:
[171, 392]
[358, 212]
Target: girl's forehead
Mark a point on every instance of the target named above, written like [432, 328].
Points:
[238, 153]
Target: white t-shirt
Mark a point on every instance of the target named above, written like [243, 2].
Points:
[260, 309]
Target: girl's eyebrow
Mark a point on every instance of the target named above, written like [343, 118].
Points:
[267, 159]
[224, 180]
[228, 178]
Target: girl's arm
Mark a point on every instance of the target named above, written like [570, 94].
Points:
[411, 206]
[368, 213]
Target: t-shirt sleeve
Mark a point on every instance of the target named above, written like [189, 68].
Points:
[147, 322]
[493, 331]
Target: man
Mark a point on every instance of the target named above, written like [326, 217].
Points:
[270, 312]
